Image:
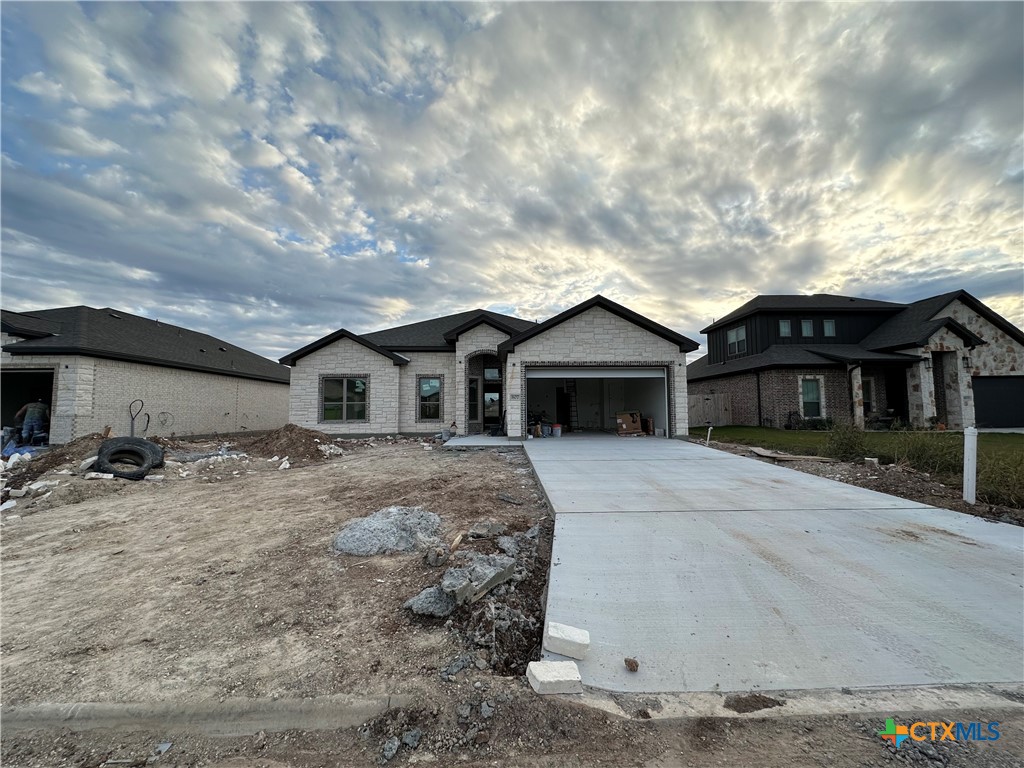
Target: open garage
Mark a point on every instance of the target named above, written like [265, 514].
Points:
[581, 398]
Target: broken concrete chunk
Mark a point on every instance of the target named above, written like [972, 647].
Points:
[157, 478]
[437, 556]
[9, 504]
[98, 476]
[41, 486]
[484, 529]
[554, 677]
[392, 529]
[17, 493]
[285, 464]
[567, 641]
[432, 601]
[484, 572]
[411, 738]
[87, 464]
[390, 748]
[871, 461]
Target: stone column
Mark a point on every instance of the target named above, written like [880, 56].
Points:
[857, 395]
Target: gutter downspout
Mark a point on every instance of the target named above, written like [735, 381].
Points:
[760, 420]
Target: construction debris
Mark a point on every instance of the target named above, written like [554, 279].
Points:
[554, 677]
[484, 572]
[432, 601]
[485, 529]
[566, 641]
[774, 455]
[392, 529]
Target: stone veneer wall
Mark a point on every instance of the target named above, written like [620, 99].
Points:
[346, 358]
[468, 362]
[599, 338]
[1001, 356]
[439, 364]
[91, 393]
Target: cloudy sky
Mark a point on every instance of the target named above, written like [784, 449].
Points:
[271, 172]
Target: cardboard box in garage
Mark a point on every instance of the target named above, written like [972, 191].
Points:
[628, 423]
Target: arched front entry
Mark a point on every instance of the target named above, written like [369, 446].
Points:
[485, 398]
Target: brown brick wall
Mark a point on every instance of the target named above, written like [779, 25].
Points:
[780, 394]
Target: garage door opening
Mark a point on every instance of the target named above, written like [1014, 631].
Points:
[587, 399]
[20, 387]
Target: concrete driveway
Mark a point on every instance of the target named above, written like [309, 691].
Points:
[719, 572]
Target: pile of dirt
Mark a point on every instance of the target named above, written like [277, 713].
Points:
[70, 453]
[297, 443]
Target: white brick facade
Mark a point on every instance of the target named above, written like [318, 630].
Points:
[479, 340]
[599, 338]
[432, 364]
[92, 393]
[346, 358]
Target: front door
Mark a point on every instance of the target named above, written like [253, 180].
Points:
[492, 398]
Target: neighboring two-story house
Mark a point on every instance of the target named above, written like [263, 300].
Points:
[947, 360]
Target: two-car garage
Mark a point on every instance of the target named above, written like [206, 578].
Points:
[998, 401]
[588, 398]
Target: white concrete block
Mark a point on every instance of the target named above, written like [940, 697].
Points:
[157, 478]
[554, 677]
[567, 641]
[9, 504]
[87, 464]
[98, 476]
[17, 493]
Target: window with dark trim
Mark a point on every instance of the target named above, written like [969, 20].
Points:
[810, 398]
[737, 339]
[806, 327]
[428, 393]
[473, 399]
[343, 398]
[829, 327]
[785, 328]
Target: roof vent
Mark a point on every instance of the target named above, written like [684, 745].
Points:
[201, 349]
[222, 349]
[116, 317]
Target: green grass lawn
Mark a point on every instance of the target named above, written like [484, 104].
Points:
[1000, 455]
[882, 443]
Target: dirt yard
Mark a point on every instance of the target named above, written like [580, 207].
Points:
[219, 582]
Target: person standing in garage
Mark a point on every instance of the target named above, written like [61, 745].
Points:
[35, 416]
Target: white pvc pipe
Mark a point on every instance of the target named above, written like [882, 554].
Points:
[970, 464]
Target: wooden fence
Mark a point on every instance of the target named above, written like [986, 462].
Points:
[714, 409]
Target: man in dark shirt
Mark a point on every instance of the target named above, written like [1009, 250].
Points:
[35, 417]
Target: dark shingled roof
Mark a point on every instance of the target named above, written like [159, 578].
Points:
[117, 335]
[430, 334]
[914, 326]
[792, 356]
[425, 336]
[824, 302]
[25, 325]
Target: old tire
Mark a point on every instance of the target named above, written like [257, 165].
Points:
[126, 450]
[154, 450]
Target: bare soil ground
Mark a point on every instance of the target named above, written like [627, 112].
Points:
[219, 581]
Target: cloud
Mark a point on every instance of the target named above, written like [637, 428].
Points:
[269, 172]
